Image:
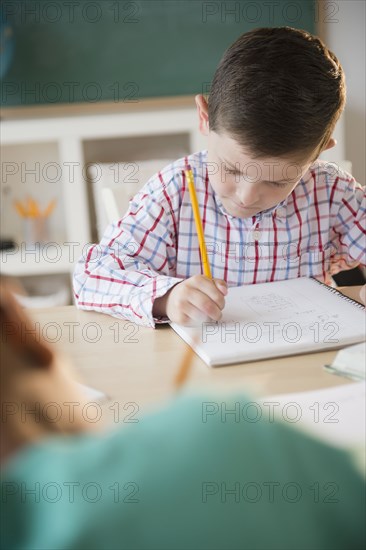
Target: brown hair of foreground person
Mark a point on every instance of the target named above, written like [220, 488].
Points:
[31, 374]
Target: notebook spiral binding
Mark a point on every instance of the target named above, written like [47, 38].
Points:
[335, 291]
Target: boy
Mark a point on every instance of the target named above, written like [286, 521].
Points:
[270, 211]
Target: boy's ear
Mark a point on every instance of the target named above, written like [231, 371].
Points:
[202, 109]
[18, 332]
[331, 143]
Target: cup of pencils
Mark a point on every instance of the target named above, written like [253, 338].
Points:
[35, 220]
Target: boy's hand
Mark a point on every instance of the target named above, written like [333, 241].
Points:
[196, 299]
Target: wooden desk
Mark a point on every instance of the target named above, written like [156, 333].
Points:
[137, 364]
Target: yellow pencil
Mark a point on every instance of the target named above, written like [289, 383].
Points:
[184, 368]
[198, 222]
[186, 363]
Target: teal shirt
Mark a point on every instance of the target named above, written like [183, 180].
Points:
[180, 479]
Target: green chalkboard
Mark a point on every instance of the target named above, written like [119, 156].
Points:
[89, 51]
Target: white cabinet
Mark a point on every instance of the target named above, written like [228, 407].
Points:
[46, 153]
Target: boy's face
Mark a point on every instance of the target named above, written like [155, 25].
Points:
[247, 186]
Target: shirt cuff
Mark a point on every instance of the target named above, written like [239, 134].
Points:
[156, 288]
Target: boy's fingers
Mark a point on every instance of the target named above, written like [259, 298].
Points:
[193, 314]
[205, 304]
[221, 285]
[208, 287]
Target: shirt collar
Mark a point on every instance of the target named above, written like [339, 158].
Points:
[279, 210]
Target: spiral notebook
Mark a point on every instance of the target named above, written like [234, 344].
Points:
[277, 319]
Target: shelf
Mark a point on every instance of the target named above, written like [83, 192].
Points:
[51, 259]
[100, 108]
[82, 127]
[46, 155]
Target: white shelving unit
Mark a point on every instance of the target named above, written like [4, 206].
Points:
[51, 259]
[63, 141]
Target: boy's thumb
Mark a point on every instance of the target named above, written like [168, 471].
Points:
[221, 285]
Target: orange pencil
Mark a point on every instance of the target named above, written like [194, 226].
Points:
[33, 210]
[20, 209]
[49, 208]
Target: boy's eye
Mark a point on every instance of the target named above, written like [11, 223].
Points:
[234, 172]
[276, 184]
[273, 183]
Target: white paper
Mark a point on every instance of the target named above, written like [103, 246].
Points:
[277, 319]
[351, 361]
[336, 415]
[92, 394]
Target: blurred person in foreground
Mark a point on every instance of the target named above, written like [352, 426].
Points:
[170, 481]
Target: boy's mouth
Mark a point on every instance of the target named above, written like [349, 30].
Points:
[243, 207]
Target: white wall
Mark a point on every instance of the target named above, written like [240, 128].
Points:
[342, 27]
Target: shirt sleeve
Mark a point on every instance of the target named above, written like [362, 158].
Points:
[349, 226]
[134, 264]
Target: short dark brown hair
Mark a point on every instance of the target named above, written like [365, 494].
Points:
[277, 92]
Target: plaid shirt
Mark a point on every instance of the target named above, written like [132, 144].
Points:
[318, 230]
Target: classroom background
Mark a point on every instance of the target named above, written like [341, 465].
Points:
[97, 96]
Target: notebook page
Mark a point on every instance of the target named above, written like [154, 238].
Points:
[274, 319]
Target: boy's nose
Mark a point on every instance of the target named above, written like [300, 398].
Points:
[248, 194]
